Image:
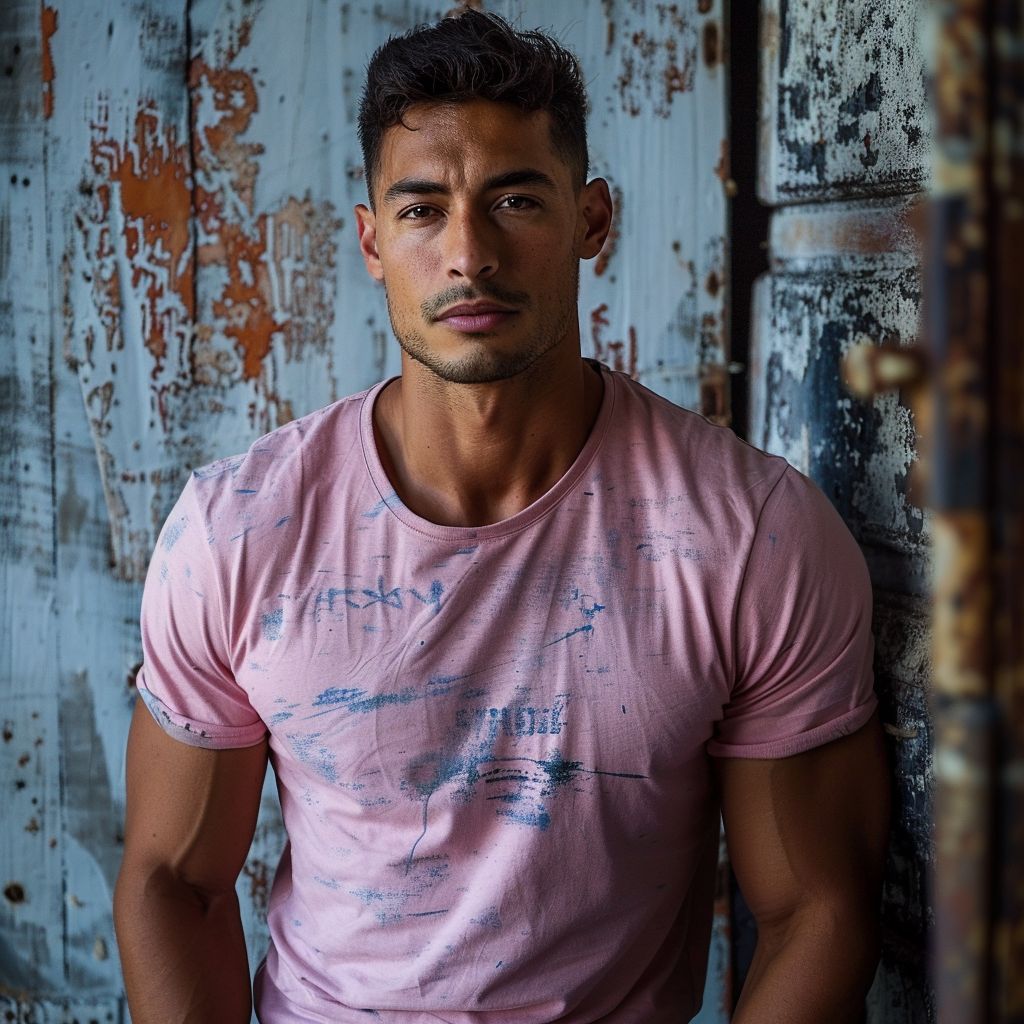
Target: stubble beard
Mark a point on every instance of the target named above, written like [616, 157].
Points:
[483, 365]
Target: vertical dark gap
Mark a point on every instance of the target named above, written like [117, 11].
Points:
[748, 234]
[749, 219]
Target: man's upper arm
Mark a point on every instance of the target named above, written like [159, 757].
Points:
[191, 811]
[809, 831]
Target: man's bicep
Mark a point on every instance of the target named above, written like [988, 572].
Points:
[809, 829]
[191, 811]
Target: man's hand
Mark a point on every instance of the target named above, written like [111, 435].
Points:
[807, 838]
[191, 818]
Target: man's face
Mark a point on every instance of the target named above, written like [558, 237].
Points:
[477, 236]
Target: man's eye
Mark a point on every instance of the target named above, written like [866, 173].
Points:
[517, 203]
[419, 212]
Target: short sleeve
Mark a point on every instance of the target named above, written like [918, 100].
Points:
[803, 642]
[186, 680]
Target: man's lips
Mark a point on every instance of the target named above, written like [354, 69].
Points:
[475, 318]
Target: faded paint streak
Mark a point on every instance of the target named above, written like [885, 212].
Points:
[49, 26]
[617, 354]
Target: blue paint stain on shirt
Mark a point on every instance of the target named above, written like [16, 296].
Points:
[173, 532]
[771, 537]
[281, 521]
[431, 598]
[539, 819]
[390, 598]
[272, 623]
[490, 919]
[319, 758]
[244, 490]
[572, 632]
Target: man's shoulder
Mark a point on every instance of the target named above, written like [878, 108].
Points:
[680, 448]
[279, 462]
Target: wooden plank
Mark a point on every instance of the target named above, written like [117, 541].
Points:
[31, 906]
[106, 164]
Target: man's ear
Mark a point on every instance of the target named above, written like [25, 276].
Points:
[596, 211]
[366, 225]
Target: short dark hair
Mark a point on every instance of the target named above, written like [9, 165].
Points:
[475, 56]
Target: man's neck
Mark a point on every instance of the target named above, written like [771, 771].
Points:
[471, 455]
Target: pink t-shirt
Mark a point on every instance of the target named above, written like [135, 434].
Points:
[493, 745]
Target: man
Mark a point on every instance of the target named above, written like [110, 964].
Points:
[516, 628]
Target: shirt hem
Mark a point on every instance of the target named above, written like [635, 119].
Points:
[788, 747]
[201, 734]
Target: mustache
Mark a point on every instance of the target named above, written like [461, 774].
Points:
[431, 308]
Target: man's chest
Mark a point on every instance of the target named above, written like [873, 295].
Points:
[508, 673]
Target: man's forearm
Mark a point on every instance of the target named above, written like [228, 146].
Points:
[814, 969]
[182, 952]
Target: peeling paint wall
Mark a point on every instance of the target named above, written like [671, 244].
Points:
[179, 274]
[844, 150]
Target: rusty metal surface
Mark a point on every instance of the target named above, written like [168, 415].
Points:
[1007, 222]
[958, 337]
[178, 274]
[844, 108]
[963, 825]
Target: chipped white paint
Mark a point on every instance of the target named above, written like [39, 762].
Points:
[847, 111]
[880, 494]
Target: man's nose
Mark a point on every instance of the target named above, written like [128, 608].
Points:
[471, 245]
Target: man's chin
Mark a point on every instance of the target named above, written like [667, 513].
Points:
[481, 366]
[486, 368]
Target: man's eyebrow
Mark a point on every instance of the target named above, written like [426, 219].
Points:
[414, 187]
[526, 176]
[425, 187]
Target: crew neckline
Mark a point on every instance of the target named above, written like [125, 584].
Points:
[521, 520]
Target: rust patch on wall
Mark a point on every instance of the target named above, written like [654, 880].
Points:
[15, 892]
[217, 145]
[259, 874]
[710, 45]
[155, 198]
[49, 26]
[278, 264]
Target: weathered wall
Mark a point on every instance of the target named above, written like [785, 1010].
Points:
[844, 149]
[178, 274]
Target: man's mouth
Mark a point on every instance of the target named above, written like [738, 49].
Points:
[476, 317]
